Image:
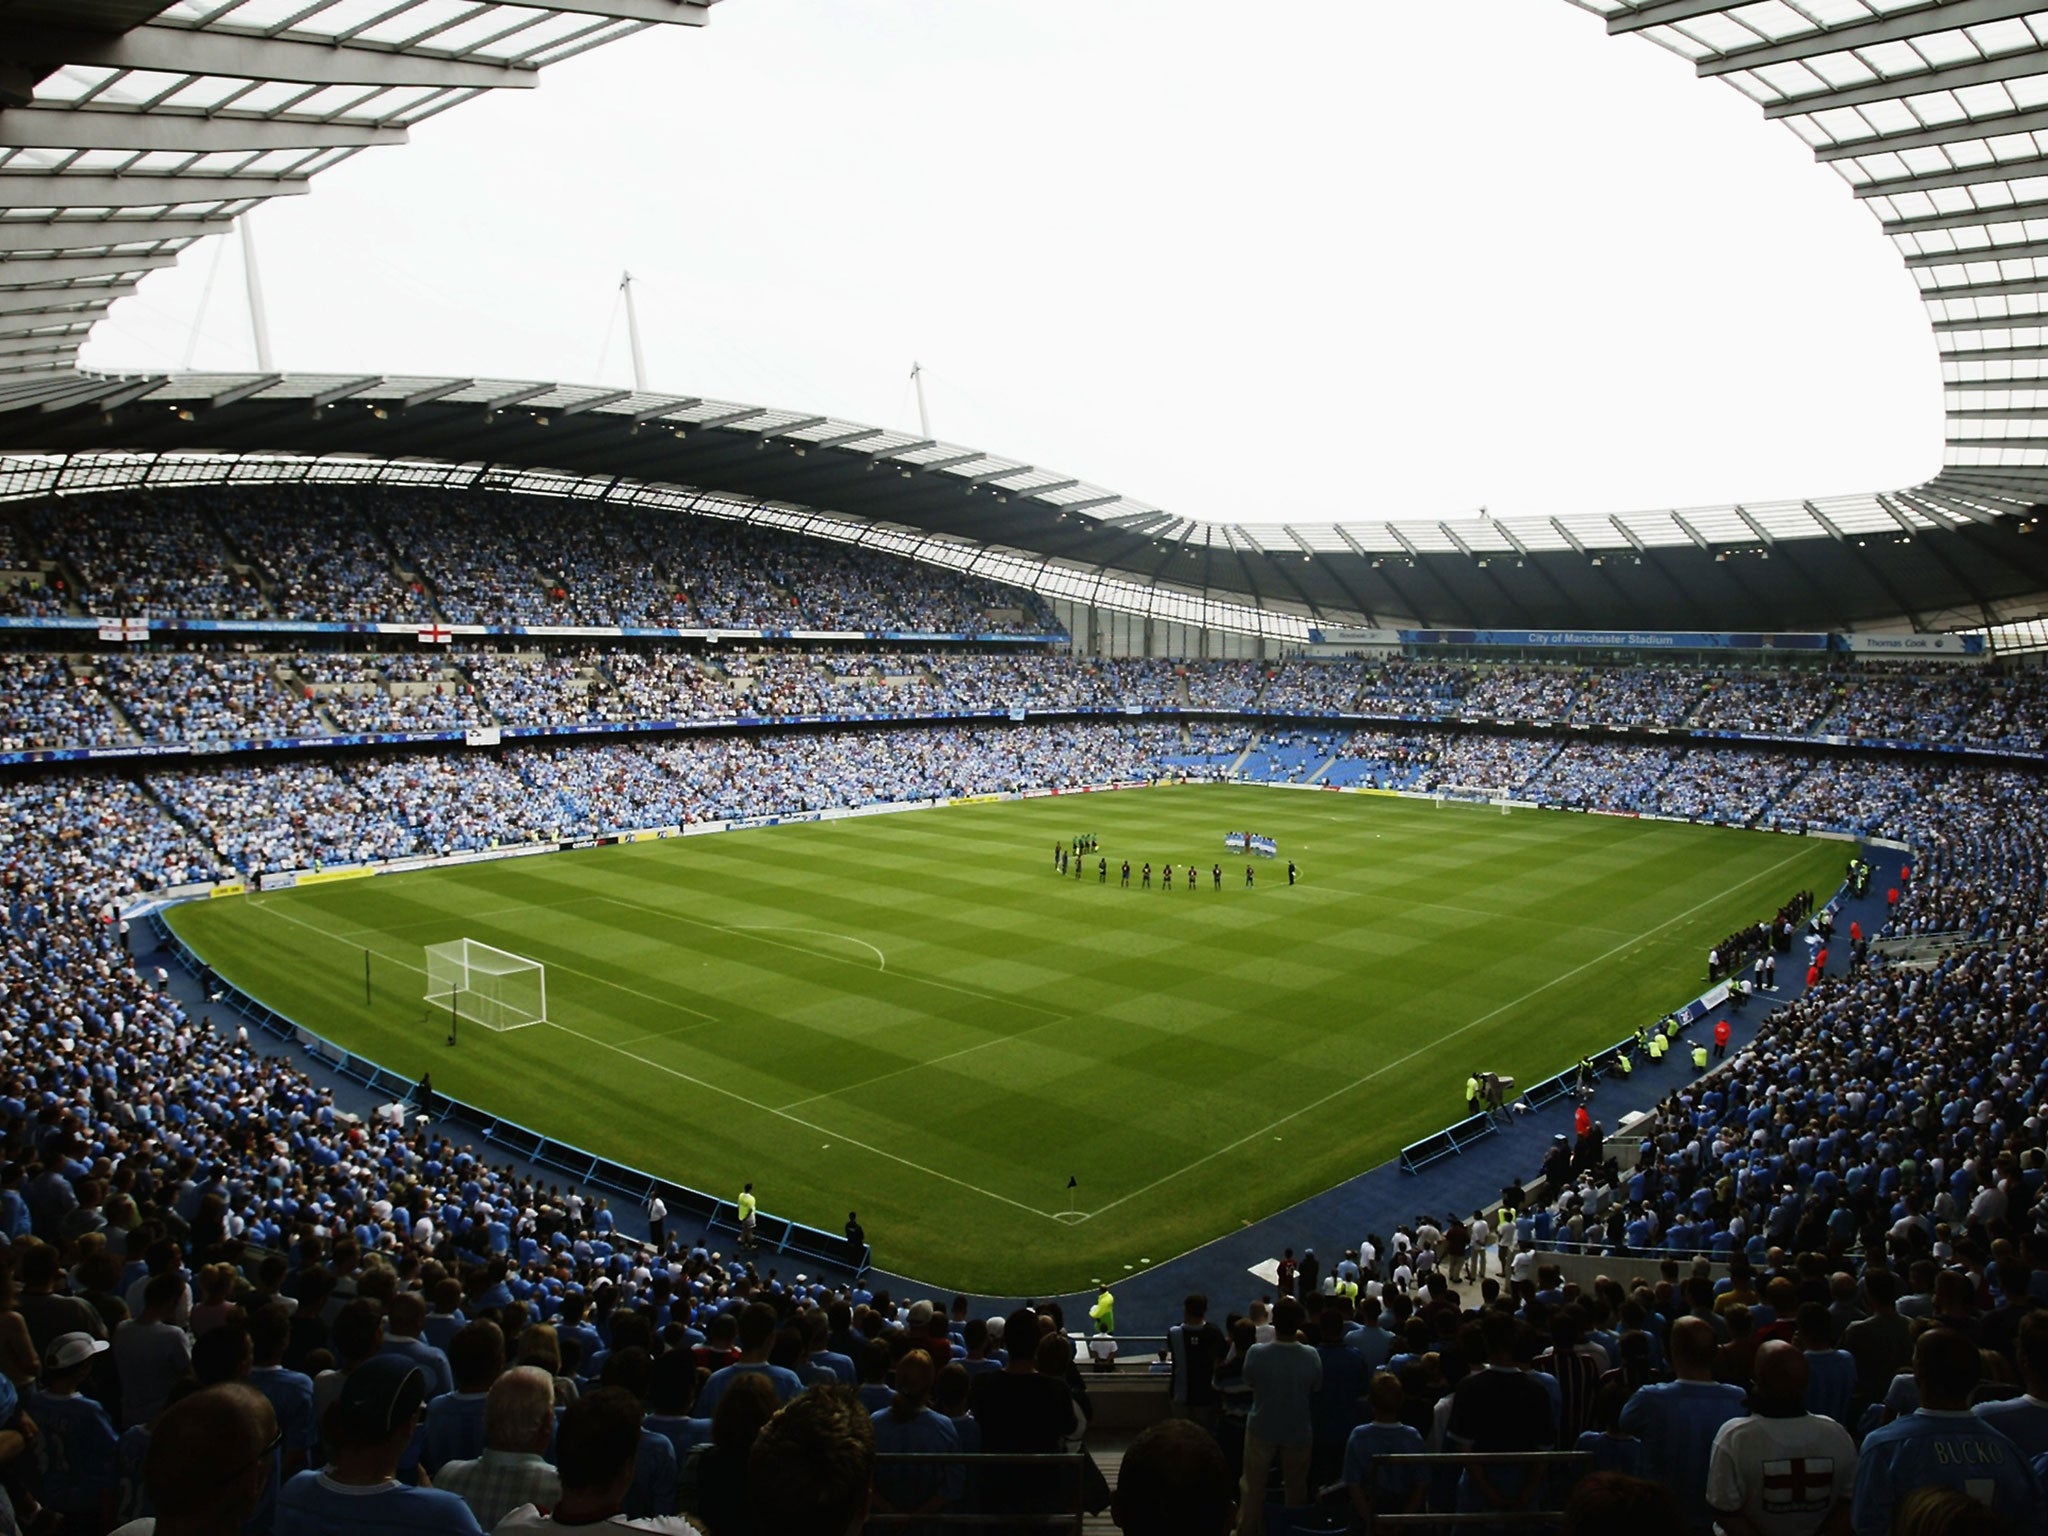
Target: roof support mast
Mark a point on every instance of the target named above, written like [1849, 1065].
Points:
[924, 426]
[633, 334]
[259, 322]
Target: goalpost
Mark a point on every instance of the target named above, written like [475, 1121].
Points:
[483, 985]
[1486, 794]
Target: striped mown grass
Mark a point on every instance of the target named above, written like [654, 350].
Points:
[912, 1015]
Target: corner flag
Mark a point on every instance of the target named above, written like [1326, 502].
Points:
[1072, 1182]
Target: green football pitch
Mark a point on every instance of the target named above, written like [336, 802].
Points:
[912, 1015]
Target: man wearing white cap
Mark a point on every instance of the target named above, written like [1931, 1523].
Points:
[75, 1454]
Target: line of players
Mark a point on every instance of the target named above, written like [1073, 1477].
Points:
[1062, 860]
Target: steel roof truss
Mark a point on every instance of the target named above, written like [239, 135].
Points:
[160, 47]
[434, 392]
[729, 418]
[666, 408]
[612, 397]
[1995, 125]
[1692, 533]
[1965, 218]
[1756, 527]
[1864, 34]
[999, 474]
[1962, 176]
[354, 387]
[2017, 251]
[1951, 77]
[169, 132]
[98, 234]
[846, 439]
[243, 391]
[37, 301]
[48, 190]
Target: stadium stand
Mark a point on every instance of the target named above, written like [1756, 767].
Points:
[1879, 1129]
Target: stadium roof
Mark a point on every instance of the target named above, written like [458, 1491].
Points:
[131, 128]
[1935, 113]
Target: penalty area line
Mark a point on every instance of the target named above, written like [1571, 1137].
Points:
[711, 1087]
[809, 1125]
[1440, 1040]
[603, 981]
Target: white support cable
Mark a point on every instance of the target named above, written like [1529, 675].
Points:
[199, 314]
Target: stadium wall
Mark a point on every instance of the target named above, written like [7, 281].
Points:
[1112, 632]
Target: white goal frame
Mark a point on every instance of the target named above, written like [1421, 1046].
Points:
[1489, 794]
[481, 984]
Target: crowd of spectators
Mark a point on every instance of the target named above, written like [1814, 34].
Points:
[393, 692]
[1872, 1167]
[529, 688]
[1312, 686]
[170, 696]
[1235, 684]
[45, 703]
[205, 696]
[322, 551]
[283, 815]
[371, 553]
[145, 557]
[1521, 693]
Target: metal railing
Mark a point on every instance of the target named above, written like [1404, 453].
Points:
[1071, 1518]
[1536, 1461]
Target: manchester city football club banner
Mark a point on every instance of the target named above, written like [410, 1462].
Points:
[1619, 639]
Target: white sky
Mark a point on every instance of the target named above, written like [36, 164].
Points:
[1302, 261]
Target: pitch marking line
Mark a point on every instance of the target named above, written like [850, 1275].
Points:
[919, 1066]
[603, 981]
[1338, 1093]
[698, 1082]
[783, 1114]
[881, 960]
[1450, 906]
[757, 934]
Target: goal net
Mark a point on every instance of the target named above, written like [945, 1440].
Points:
[1474, 794]
[482, 985]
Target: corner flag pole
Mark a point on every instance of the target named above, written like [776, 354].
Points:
[366, 977]
[1072, 1184]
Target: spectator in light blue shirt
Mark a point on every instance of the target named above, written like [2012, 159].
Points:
[1384, 1488]
[403, 1319]
[1831, 1372]
[757, 1335]
[910, 1425]
[75, 1450]
[1943, 1445]
[2024, 1420]
[1677, 1420]
[289, 1393]
[455, 1423]
[357, 1493]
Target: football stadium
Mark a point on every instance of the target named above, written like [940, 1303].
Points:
[915, 991]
